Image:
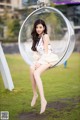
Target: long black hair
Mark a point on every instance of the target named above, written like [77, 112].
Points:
[35, 36]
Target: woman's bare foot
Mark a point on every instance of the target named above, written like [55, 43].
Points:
[34, 100]
[43, 106]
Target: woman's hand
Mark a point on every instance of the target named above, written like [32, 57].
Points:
[37, 65]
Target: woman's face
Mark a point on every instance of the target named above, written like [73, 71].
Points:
[40, 29]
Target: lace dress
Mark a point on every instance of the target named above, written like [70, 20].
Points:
[43, 58]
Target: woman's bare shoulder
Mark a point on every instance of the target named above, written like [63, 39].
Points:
[46, 36]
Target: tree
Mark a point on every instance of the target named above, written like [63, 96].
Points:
[13, 28]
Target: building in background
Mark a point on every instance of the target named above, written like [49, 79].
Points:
[9, 6]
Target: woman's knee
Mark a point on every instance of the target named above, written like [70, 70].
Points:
[32, 69]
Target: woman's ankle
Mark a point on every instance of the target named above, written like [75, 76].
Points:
[43, 100]
[35, 94]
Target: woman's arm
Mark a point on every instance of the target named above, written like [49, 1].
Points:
[46, 42]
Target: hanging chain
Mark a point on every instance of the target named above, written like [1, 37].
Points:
[42, 3]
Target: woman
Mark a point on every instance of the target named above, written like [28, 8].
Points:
[44, 58]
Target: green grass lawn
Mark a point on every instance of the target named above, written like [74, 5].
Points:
[61, 87]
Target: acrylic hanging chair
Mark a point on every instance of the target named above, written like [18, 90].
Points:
[59, 29]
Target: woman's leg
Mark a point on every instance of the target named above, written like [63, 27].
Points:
[34, 87]
[37, 74]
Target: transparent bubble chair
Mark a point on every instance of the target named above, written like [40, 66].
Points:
[60, 31]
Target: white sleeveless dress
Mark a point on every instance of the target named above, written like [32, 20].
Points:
[43, 58]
